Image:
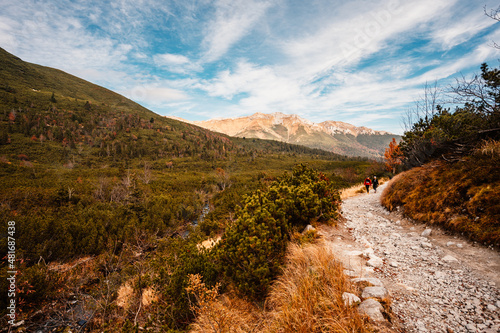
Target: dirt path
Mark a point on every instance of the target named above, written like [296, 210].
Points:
[437, 282]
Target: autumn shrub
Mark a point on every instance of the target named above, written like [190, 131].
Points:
[175, 261]
[35, 284]
[224, 313]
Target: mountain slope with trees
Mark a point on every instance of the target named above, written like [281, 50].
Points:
[335, 136]
[110, 201]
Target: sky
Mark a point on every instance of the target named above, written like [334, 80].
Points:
[361, 62]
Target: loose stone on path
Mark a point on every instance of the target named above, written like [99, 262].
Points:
[432, 288]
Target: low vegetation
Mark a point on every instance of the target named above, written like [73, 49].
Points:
[455, 177]
[306, 297]
[111, 201]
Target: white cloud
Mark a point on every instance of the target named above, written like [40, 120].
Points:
[7, 40]
[233, 20]
[176, 63]
[155, 95]
[477, 56]
[451, 30]
[356, 34]
[170, 59]
[261, 87]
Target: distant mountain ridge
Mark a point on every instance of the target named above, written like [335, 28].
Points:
[336, 136]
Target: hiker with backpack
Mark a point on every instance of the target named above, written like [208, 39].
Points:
[375, 183]
[367, 183]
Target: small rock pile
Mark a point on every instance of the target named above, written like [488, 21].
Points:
[371, 296]
[432, 289]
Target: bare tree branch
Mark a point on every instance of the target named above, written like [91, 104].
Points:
[425, 107]
[474, 90]
[495, 15]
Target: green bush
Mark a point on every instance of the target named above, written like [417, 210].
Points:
[252, 250]
[176, 259]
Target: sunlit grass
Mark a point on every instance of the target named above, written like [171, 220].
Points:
[307, 297]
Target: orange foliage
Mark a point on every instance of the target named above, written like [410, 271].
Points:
[393, 156]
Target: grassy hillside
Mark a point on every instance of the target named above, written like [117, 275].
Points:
[106, 196]
[461, 197]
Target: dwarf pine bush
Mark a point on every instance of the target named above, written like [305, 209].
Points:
[252, 250]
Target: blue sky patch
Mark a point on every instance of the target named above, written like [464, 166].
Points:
[362, 62]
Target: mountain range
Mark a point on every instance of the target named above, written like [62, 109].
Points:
[335, 136]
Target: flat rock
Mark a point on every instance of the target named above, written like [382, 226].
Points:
[350, 273]
[350, 299]
[375, 262]
[393, 264]
[449, 258]
[308, 228]
[372, 309]
[426, 233]
[373, 281]
[375, 292]
[354, 253]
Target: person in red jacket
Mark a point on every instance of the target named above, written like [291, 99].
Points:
[367, 183]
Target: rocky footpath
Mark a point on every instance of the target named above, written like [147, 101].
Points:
[436, 282]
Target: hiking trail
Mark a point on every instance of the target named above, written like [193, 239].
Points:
[437, 282]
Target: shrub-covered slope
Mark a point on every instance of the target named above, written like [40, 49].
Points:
[462, 197]
[101, 191]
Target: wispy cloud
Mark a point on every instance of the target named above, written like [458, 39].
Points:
[233, 20]
[176, 63]
[358, 61]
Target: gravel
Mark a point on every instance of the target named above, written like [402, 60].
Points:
[431, 290]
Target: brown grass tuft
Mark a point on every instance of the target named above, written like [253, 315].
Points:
[463, 197]
[308, 295]
[352, 191]
[490, 148]
[221, 314]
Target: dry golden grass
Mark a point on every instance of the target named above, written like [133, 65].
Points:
[352, 191]
[462, 197]
[491, 148]
[222, 314]
[307, 297]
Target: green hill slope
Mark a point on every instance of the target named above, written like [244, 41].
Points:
[91, 177]
[27, 80]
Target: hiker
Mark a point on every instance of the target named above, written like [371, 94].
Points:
[375, 183]
[367, 183]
